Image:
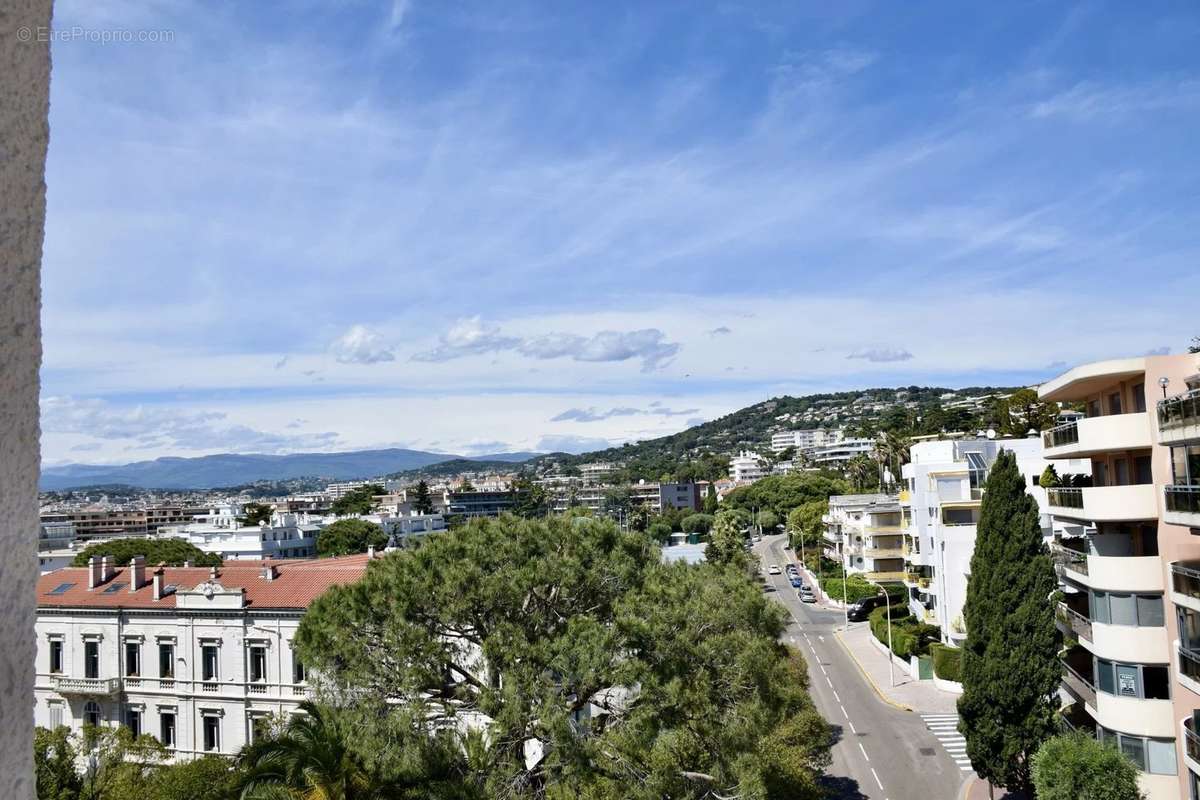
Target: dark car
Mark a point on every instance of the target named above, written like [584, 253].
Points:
[859, 611]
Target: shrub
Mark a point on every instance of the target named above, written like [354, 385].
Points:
[659, 531]
[857, 588]
[172, 552]
[697, 523]
[946, 662]
[348, 536]
[1077, 767]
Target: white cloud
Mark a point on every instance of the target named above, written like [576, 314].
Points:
[148, 427]
[593, 414]
[361, 345]
[1088, 100]
[472, 336]
[881, 355]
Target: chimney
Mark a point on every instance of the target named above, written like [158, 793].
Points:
[158, 582]
[137, 573]
[106, 569]
[370, 552]
[268, 570]
[212, 573]
[187, 564]
[94, 572]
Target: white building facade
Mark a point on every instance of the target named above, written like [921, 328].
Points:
[863, 532]
[747, 466]
[286, 535]
[944, 489]
[197, 658]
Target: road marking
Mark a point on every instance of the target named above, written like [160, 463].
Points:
[844, 714]
[835, 696]
[852, 730]
[822, 666]
[877, 779]
[867, 757]
[819, 636]
[829, 681]
[944, 728]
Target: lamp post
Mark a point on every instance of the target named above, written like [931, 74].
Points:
[845, 600]
[1164, 382]
[891, 663]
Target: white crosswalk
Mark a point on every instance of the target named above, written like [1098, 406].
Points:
[944, 727]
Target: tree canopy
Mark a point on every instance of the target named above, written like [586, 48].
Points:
[357, 501]
[349, 536]
[782, 493]
[255, 514]
[172, 552]
[1077, 767]
[1010, 668]
[586, 667]
[422, 502]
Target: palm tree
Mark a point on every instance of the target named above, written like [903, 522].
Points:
[894, 449]
[309, 760]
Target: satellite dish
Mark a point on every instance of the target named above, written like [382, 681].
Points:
[991, 433]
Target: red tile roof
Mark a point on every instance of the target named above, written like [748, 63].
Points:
[297, 583]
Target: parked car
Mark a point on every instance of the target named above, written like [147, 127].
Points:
[773, 569]
[806, 594]
[795, 581]
[859, 611]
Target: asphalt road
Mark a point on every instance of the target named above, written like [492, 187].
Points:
[880, 751]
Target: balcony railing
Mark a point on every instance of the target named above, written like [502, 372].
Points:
[884, 576]
[1078, 684]
[1183, 499]
[1067, 433]
[1191, 741]
[90, 686]
[1185, 580]
[1183, 409]
[1066, 558]
[883, 552]
[1065, 497]
[1189, 663]
[1078, 623]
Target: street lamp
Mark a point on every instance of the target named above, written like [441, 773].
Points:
[1164, 382]
[891, 663]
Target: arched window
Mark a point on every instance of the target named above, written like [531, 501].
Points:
[91, 714]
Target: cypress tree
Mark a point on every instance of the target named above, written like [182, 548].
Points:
[1010, 669]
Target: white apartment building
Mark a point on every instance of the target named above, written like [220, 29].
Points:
[835, 454]
[1128, 562]
[195, 657]
[747, 466]
[805, 439]
[944, 489]
[287, 535]
[342, 488]
[595, 471]
[863, 533]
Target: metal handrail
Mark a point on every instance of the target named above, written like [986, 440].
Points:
[1059, 435]
[1065, 497]
[1179, 410]
[1076, 621]
[1182, 498]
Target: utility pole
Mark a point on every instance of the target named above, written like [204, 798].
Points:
[891, 663]
[845, 601]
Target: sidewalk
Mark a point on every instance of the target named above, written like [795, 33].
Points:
[977, 789]
[919, 696]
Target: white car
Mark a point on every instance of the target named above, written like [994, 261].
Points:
[773, 569]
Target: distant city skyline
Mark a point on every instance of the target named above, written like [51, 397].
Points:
[473, 228]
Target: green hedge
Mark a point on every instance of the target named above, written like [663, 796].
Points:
[909, 636]
[856, 588]
[947, 662]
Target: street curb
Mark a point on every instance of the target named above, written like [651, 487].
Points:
[837, 635]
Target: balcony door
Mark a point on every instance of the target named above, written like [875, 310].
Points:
[91, 660]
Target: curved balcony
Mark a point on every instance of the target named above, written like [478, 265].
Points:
[1079, 685]
[1185, 584]
[1104, 503]
[1072, 621]
[1147, 644]
[1181, 506]
[1135, 716]
[86, 686]
[1087, 437]
[1191, 745]
[1179, 418]
[1187, 667]
[883, 552]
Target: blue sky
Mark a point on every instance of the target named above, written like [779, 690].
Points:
[469, 227]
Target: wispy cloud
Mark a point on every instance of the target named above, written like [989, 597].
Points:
[560, 443]
[881, 355]
[720, 331]
[1088, 100]
[361, 345]
[472, 336]
[593, 414]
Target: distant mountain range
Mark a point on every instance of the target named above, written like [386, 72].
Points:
[228, 469]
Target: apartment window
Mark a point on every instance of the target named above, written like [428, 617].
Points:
[166, 728]
[133, 721]
[1111, 608]
[56, 656]
[1099, 473]
[257, 725]
[258, 663]
[56, 715]
[1142, 472]
[133, 659]
[1093, 408]
[91, 714]
[1185, 465]
[1121, 472]
[91, 659]
[166, 660]
[1139, 397]
[209, 654]
[1156, 756]
[1114, 403]
[1144, 682]
[212, 733]
[298, 675]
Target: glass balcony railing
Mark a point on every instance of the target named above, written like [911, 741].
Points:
[1189, 663]
[1185, 579]
[1191, 741]
[1182, 499]
[1067, 433]
[1180, 410]
[1065, 498]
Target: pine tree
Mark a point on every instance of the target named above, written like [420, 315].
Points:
[1010, 668]
[422, 502]
[710, 500]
